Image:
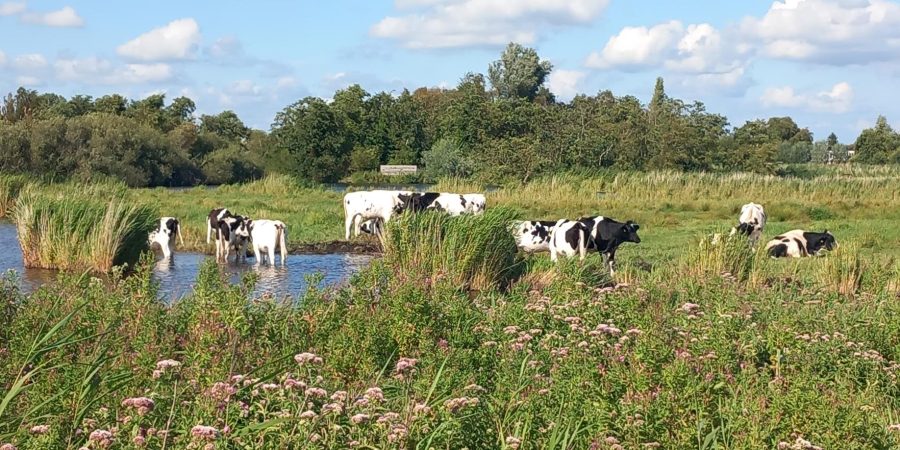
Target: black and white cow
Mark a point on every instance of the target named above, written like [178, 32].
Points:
[475, 203]
[751, 222]
[453, 204]
[365, 205]
[212, 222]
[164, 235]
[533, 236]
[267, 236]
[608, 234]
[569, 238]
[233, 233]
[799, 243]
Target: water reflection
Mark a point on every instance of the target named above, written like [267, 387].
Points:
[178, 274]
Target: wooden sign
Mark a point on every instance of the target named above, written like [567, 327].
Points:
[398, 170]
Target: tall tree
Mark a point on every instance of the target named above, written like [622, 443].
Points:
[519, 72]
[878, 145]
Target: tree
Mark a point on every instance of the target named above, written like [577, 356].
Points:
[832, 140]
[226, 125]
[111, 104]
[181, 110]
[315, 136]
[519, 72]
[877, 145]
[446, 159]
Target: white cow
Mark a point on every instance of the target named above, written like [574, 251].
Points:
[569, 238]
[475, 203]
[164, 235]
[232, 233]
[751, 222]
[266, 236]
[365, 205]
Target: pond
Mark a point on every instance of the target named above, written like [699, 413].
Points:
[178, 275]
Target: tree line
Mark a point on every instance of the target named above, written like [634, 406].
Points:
[502, 127]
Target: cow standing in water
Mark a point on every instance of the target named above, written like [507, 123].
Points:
[233, 233]
[266, 236]
[751, 222]
[164, 235]
[799, 243]
[212, 222]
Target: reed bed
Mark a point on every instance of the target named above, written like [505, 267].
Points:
[10, 187]
[75, 230]
[474, 252]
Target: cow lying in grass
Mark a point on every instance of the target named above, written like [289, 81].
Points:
[799, 243]
[164, 235]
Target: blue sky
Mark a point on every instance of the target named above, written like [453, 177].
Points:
[830, 64]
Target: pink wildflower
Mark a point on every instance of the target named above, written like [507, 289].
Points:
[40, 429]
[513, 442]
[421, 408]
[102, 438]
[143, 404]
[139, 440]
[205, 432]
[306, 357]
[339, 396]
[456, 404]
[291, 383]
[689, 307]
[308, 415]
[359, 418]
[8, 447]
[388, 417]
[270, 387]
[336, 408]
[894, 427]
[167, 364]
[398, 433]
[315, 392]
[221, 391]
[374, 393]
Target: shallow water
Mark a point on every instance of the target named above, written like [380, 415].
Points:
[178, 275]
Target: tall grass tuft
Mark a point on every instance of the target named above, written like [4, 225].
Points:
[10, 187]
[730, 256]
[842, 270]
[75, 232]
[468, 252]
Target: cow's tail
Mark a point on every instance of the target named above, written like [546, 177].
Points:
[178, 230]
[208, 229]
[282, 237]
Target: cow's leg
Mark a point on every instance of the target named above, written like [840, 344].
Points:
[272, 253]
[611, 261]
[256, 253]
[167, 250]
[348, 222]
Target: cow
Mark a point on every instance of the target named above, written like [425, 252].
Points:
[212, 222]
[799, 243]
[453, 204]
[569, 238]
[475, 203]
[606, 235]
[751, 222]
[372, 226]
[233, 233]
[265, 237]
[533, 236]
[365, 205]
[164, 235]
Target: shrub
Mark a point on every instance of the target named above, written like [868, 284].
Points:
[446, 159]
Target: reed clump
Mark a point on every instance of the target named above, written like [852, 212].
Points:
[10, 187]
[69, 230]
[468, 251]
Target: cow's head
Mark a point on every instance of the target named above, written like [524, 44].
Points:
[826, 240]
[745, 228]
[171, 227]
[628, 232]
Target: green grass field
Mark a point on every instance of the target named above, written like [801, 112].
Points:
[451, 340]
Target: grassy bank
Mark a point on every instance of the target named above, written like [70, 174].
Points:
[719, 349]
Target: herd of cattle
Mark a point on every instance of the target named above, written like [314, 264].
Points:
[368, 211]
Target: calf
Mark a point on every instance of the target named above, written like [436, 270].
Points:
[799, 243]
[751, 222]
[365, 205]
[372, 226]
[265, 236]
[569, 238]
[232, 233]
[164, 235]
[212, 221]
[607, 235]
[533, 236]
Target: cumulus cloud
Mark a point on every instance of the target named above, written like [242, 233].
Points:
[565, 84]
[827, 31]
[178, 39]
[430, 24]
[11, 8]
[29, 62]
[225, 47]
[835, 100]
[28, 81]
[65, 17]
[637, 47]
[244, 88]
[95, 70]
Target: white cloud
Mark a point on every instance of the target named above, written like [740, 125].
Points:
[225, 47]
[835, 100]
[286, 82]
[565, 84]
[29, 62]
[178, 39]
[244, 88]
[636, 47]
[95, 70]
[469, 23]
[65, 17]
[11, 8]
[827, 31]
[28, 81]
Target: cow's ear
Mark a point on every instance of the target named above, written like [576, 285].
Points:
[635, 226]
[825, 232]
